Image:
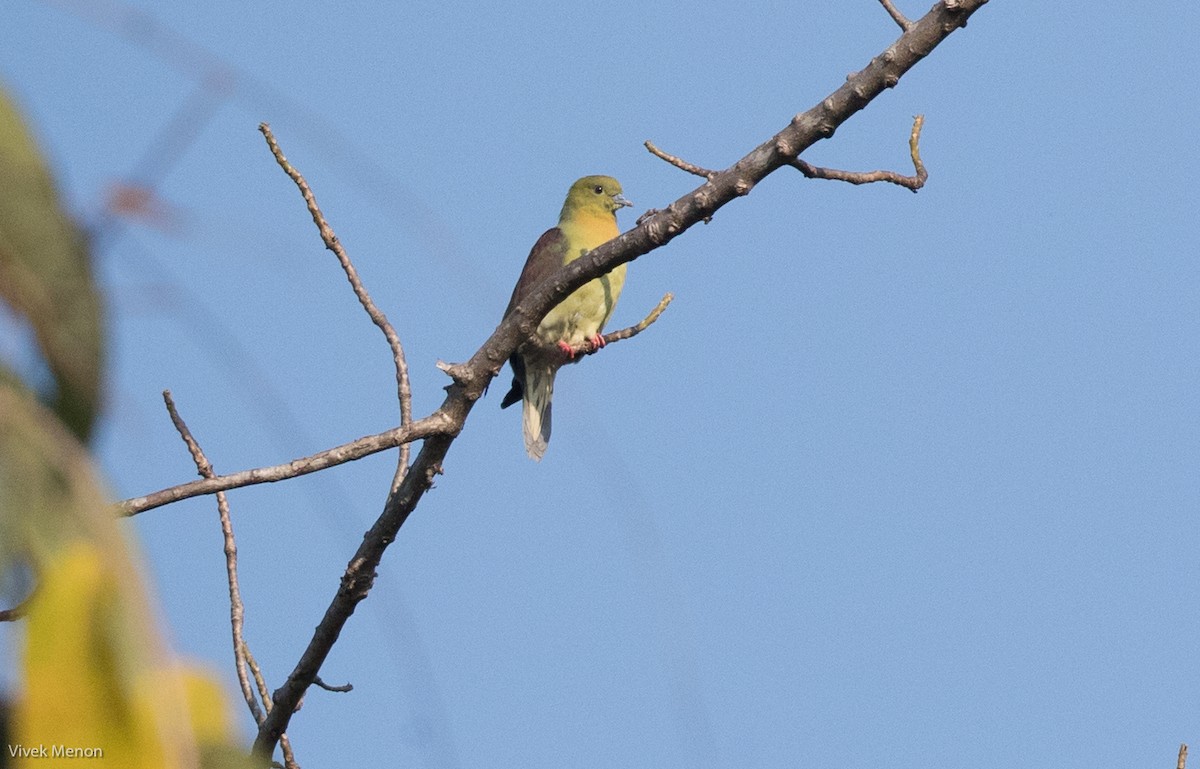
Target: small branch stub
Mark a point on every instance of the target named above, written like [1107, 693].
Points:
[456, 371]
[897, 17]
[343, 688]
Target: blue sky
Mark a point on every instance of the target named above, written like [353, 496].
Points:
[900, 480]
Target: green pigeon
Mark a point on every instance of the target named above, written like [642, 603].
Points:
[588, 219]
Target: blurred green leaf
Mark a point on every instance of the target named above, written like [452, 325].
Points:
[49, 491]
[46, 274]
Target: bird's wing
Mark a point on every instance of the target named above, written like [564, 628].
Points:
[546, 257]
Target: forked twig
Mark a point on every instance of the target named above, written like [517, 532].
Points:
[914, 182]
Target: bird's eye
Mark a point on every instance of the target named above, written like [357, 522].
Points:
[598, 190]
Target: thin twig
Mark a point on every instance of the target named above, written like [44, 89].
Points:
[628, 333]
[259, 681]
[914, 182]
[403, 387]
[1181, 763]
[434, 424]
[678, 162]
[898, 17]
[643, 324]
[242, 657]
[237, 610]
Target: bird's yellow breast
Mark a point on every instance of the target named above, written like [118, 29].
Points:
[583, 313]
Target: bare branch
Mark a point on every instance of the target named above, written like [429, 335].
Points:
[403, 387]
[897, 17]
[471, 378]
[1181, 763]
[914, 183]
[679, 163]
[436, 423]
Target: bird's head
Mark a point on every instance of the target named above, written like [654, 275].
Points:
[595, 194]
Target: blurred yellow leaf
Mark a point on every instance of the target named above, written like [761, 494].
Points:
[46, 273]
[85, 696]
[97, 680]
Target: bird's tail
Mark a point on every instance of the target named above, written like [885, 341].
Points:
[535, 409]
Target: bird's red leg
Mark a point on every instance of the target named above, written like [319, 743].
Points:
[598, 342]
[567, 349]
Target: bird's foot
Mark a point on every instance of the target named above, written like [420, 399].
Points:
[567, 349]
[597, 342]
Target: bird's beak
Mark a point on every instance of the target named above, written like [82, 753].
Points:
[621, 200]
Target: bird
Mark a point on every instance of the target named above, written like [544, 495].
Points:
[588, 219]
